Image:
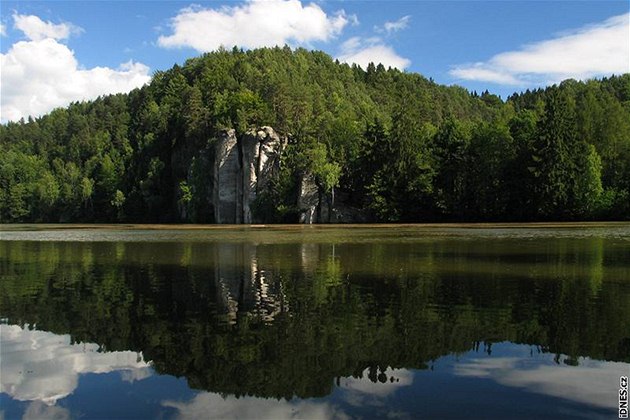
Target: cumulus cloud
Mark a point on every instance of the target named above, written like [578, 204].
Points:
[371, 50]
[36, 29]
[395, 26]
[41, 74]
[482, 72]
[594, 50]
[3, 30]
[210, 405]
[395, 379]
[37, 410]
[257, 23]
[591, 382]
[355, 391]
[53, 365]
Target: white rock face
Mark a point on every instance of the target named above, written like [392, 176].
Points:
[271, 146]
[227, 180]
[250, 147]
[261, 158]
[308, 199]
[243, 168]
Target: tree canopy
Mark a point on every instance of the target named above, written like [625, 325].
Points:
[399, 146]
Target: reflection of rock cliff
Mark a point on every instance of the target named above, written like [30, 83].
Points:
[245, 288]
[286, 317]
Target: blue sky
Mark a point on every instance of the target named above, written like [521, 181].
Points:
[54, 52]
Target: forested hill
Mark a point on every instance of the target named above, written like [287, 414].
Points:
[346, 145]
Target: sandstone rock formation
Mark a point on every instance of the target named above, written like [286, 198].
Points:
[308, 199]
[243, 168]
[227, 196]
[261, 151]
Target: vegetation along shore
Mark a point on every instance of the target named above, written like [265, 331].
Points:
[278, 135]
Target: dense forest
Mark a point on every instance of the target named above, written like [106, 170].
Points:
[391, 146]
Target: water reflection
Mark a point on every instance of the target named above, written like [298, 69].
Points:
[45, 367]
[592, 382]
[330, 327]
[244, 286]
[214, 406]
[516, 379]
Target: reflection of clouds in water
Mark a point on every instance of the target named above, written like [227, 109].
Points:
[42, 366]
[136, 374]
[401, 377]
[592, 382]
[209, 405]
[356, 391]
[39, 410]
[363, 391]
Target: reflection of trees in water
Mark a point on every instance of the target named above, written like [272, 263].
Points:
[285, 319]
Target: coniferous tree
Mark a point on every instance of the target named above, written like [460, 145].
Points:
[555, 153]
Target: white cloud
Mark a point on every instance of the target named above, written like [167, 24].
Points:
[209, 405]
[36, 29]
[258, 23]
[371, 50]
[481, 72]
[363, 386]
[37, 410]
[355, 391]
[45, 367]
[592, 382]
[3, 29]
[395, 26]
[594, 50]
[354, 20]
[42, 74]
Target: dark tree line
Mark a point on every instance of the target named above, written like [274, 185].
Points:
[395, 144]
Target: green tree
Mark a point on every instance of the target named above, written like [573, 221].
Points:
[405, 150]
[118, 200]
[450, 147]
[587, 182]
[554, 167]
[492, 154]
[369, 136]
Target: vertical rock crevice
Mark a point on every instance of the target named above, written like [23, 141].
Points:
[308, 199]
[243, 168]
[227, 197]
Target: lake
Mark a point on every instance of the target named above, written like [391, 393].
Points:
[371, 321]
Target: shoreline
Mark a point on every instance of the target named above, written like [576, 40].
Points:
[447, 225]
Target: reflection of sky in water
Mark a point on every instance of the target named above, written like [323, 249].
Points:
[45, 376]
[356, 392]
[592, 382]
[45, 367]
[210, 405]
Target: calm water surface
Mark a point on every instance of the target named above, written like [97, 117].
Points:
[314, 322]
